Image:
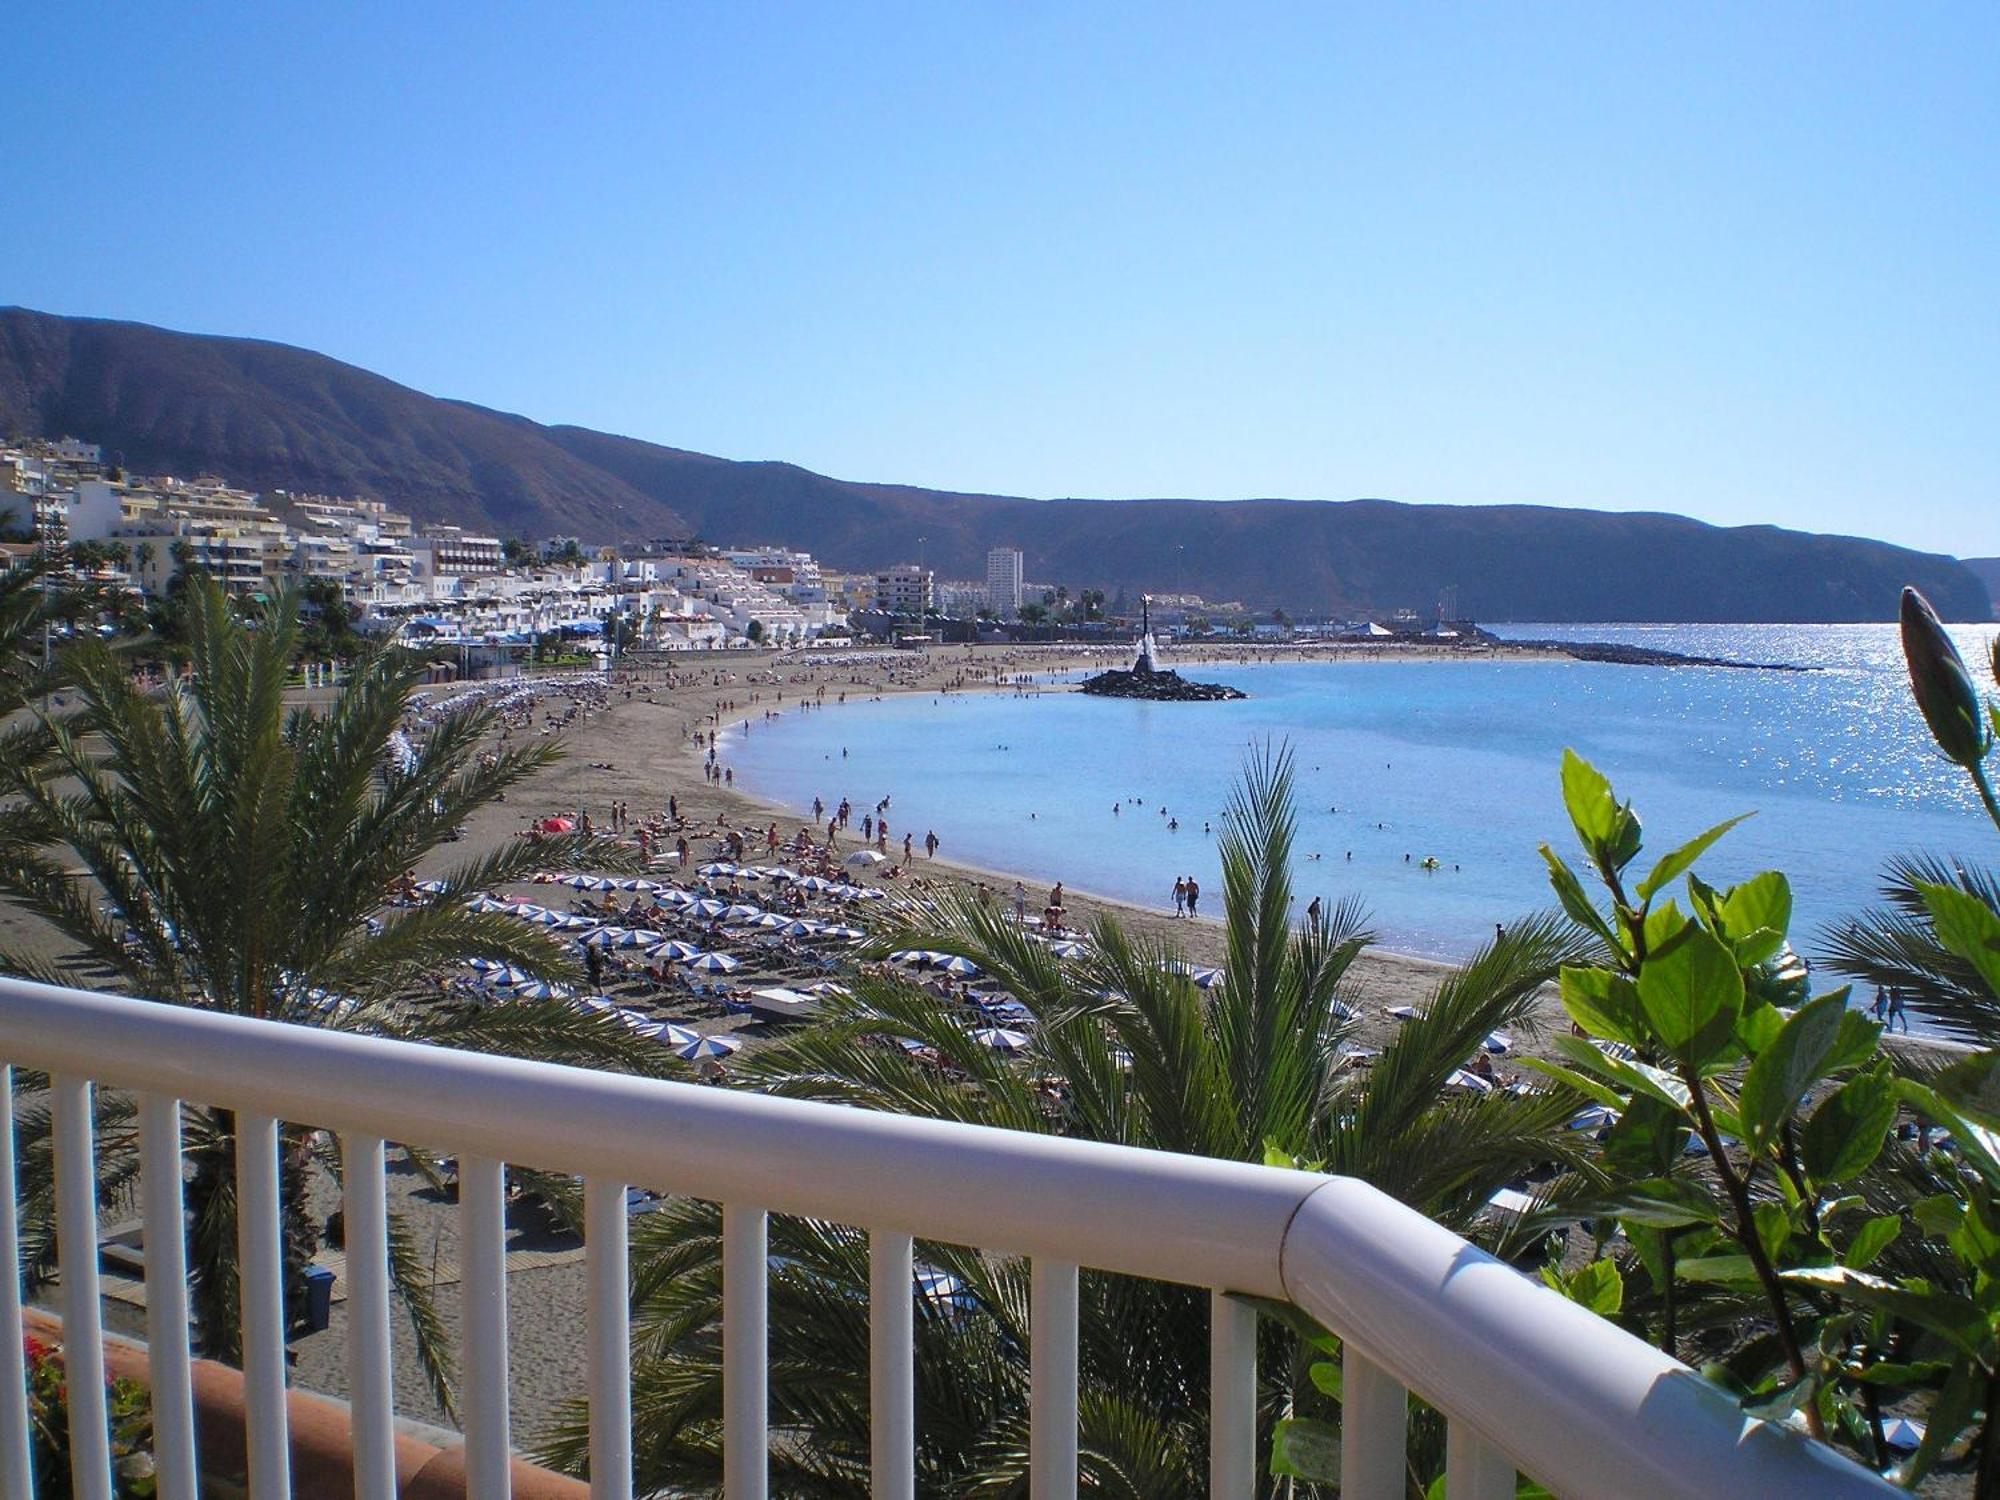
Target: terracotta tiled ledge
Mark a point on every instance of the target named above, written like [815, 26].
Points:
[322, 1465]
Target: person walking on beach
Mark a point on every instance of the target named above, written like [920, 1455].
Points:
[1019, 897]
[1193, 895]
[907, 855]
[1180, 895]
[930, 844]
[1312, 912]
[1897, 1012]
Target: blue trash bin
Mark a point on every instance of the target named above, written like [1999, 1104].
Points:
[319, 1298]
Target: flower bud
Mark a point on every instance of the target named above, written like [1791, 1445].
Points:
[1942, 687]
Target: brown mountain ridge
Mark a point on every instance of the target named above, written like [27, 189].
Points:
[269, 416]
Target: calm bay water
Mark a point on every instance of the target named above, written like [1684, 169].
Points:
[1448, 759]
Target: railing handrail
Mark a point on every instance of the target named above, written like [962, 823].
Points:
[1527, 1368]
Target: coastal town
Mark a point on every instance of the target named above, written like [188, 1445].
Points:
[486, 604]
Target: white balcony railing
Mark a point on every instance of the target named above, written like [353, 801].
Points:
[1528, 1382]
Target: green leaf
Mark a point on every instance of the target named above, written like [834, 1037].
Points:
[1779, 1405]
[1922, 1372]
[1949, 1413]
[1325, 1376]
[1870, 1240]
[1647, 1141]
[1759, 1026]
[1670, 869]
[1569, 891]
[1729, 1270]
[1761, 902]
[1663, 1203]
[1597, 1286]
[1938, 1215]
[1975, 1239]
[1587, 796]
[1774, 1228]
[1634, 1077]
[1973, 1087]
[1957, 1320]
[1603, 1003]
[1968, 927]
[1849, 1128]
[1758, 946]
[1692, 992]
[1591, 1087]
[1302, 1448]
[1784, 1070]
[1857, 1042]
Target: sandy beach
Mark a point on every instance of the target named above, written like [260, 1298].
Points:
[641, 740]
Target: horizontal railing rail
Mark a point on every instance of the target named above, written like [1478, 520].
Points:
[1527, 1380]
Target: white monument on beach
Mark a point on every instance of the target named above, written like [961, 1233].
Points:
[1149, 649]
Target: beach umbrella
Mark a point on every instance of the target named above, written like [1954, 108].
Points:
[1469, 1082]
[558, 825]
[635, 885]
[578, 922]
[485, 904]
[431, 887]
[768, 920]
[742, 911]
[861, 894]
[951, 963]
[861, 859]
[817, 883]
[708, 906]
[678, 950]
[799, 927]
[1359, 1054]
[579, 882]
[1498, 1043]
[941, 1288]
[1902, 1434]
[600, 1002]
[602, 937]
[1000, 1039]
[779, 872]
[714, 963]
[506, 977]
[846, 934]
[1069, 948]
[1593, 1117]
[640, 937]
[1401, 1012]
[916, 957]
[483, 965]
[717, 867]
[673, 895]
[539, 989]
[709, 1046]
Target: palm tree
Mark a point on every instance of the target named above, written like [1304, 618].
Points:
[1139, 1055]
[238, 857]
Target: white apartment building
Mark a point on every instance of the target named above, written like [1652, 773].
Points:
[452, 552]
[905, 589]
[166, 522]
[1005, 568]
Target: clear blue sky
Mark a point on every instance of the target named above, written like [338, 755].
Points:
[1741, 261]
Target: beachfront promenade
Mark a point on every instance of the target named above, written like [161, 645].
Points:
[1528, 1381]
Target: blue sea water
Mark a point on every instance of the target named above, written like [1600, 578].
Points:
[1399, 760]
